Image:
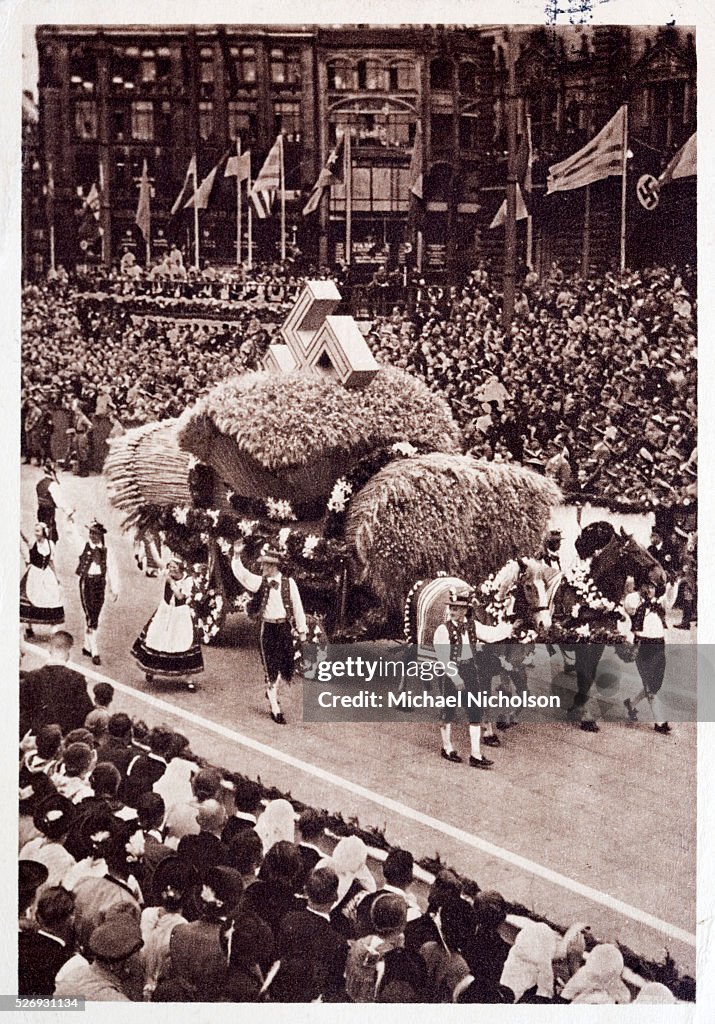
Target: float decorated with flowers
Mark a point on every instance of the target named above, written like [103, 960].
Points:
[355, 471]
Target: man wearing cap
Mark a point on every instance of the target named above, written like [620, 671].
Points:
[113, 974]
[97, 574]
[277, 605]
[49, 499]
[457, 641]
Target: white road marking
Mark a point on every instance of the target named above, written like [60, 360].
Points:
[386, 802]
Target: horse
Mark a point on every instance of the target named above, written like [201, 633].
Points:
[585, 601]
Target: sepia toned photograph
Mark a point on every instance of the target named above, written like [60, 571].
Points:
[358, 504]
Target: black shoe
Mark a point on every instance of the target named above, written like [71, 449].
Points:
[452, 756]
[96, 660]
[569, 670]
[664, 729]
[589, 727]
[632, 713]
[503, 726]
[683, 625]
[29, 633]
[87, 654]
[149, 676]
[491, 741]
[479, 762]
[278, 718]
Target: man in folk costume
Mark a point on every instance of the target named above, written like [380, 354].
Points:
[458, 640]
[648, 622]
[49, 499]
[277, 605]
[97, 574]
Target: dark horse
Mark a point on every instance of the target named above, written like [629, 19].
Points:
[613, 558]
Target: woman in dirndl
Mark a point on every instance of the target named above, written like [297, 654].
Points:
[40, 589]
[168, 645]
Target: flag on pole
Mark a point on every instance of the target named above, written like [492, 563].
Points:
[208, 192]
[89, 229]
[143, 217]
[521, 210]
[683, 164]
[187, 189]
[268, 181]
[416, 169]
[602, 157]
[239, 166]
[330, 175]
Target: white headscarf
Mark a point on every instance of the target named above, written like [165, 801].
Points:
[276, 824]
[530, 961]
[653, 992]
[599, 979]
[349, 861]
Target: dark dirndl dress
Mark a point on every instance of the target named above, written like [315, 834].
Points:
[40, 591]
[168, 644]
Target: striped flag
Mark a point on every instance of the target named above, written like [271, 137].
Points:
[143, 217]
[331, 174]
[187, 189]
[601, 158]
[268, 181]
[683, 164]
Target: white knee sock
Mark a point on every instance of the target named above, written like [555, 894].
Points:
[272, 692]
[446, 734]
[475, 740]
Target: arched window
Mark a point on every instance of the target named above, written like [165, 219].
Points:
[402, 77]
[371, 75]
[341, 75]
[440, 74]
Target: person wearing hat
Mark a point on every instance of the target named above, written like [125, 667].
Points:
[456, 642]
[388, 916]
[170, 882]
[114, 974]
[53, 819]
[71, 778]
[648, 622]
[277, 605]
[31, 875]
[168, 645]
[97, 574]
[49, 499]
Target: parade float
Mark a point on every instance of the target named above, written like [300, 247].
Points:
[355, 470]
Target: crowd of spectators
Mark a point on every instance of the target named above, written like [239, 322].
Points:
[594, 383]
[145, 875]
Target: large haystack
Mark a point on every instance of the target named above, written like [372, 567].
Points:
[450, 513]
[144, 467]
[292, 435]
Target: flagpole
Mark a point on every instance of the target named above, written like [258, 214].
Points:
[283, 200]
[623, 188]
[196, 218]
[348, 176]
[528, 190]
[249, 206]
[508, 287]
[51, 196]
[238, 206]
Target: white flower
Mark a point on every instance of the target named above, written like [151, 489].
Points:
[225, 545]
[278, 508]
[311, 543]
[339, 495]
[404, 448]
[575, 611]
[213, 515]
[584, 630]
[283, 536]
[192, 461]
[181, 514]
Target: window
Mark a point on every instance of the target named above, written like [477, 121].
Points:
[441, 131]
[371, 75]
[206, 73]
[86, 168]
[467, 79]
[402, 78]
[85, 119]
[83, 71]
[143, 120]
[469, 131]
[147, 67]
[341, 76]
[244, 59]
[285, 67]
[288, 120]
[163, 126]
[242, 121]
[440, 74]
[206, 120]
[118, 122]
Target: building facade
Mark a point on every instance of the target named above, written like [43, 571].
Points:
[112, 97]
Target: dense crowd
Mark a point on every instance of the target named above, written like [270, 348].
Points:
[595, 383]
[148, 876]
